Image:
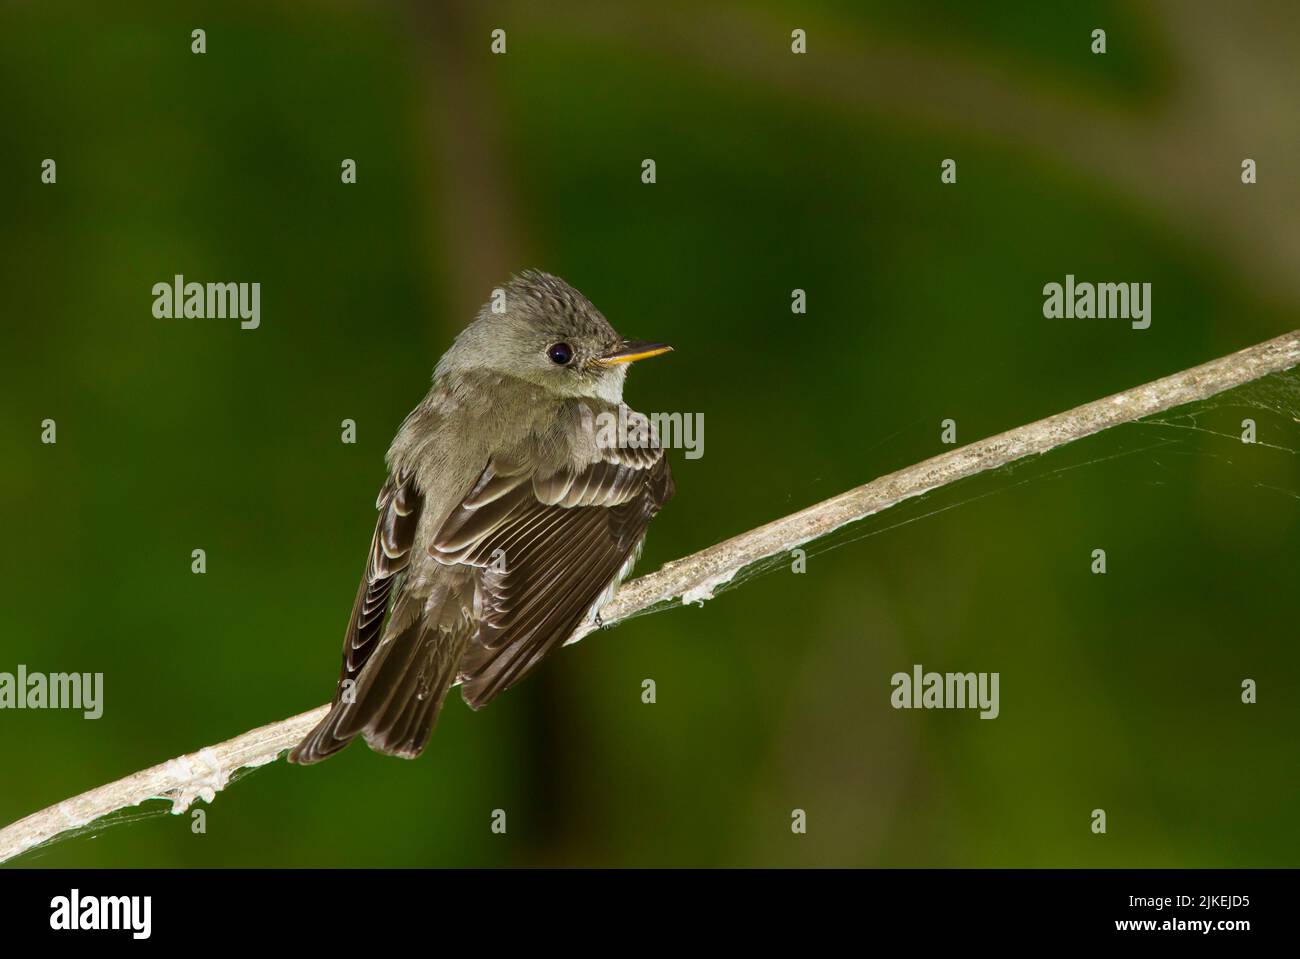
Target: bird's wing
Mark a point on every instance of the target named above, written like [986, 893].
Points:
[547, 547]
[399, 505]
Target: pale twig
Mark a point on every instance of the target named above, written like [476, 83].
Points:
[694, 578]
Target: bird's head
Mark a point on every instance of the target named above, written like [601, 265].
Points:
[539, 329]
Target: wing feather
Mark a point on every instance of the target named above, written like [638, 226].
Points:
[547, 547]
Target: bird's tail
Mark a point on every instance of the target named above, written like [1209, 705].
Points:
[396, 698]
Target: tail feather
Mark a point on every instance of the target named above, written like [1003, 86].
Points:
[399, 694]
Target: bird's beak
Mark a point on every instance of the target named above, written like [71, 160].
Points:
[629, 351]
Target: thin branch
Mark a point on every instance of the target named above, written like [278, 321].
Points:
[692, 579]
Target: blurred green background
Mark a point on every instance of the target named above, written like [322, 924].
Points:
[775, 172]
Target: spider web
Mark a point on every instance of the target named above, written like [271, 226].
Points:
[157, 807]
[1145, 451]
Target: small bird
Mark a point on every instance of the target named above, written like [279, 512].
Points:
[518, 496]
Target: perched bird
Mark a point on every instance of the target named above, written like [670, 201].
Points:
[517, 500]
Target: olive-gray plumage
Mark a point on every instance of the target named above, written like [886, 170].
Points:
[508, 516]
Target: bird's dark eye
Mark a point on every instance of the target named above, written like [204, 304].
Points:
[560, 353]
